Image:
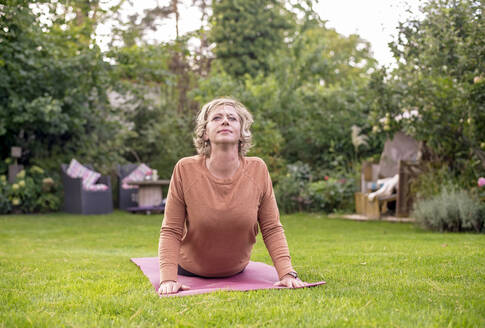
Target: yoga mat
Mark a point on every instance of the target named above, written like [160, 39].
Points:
[257, 275]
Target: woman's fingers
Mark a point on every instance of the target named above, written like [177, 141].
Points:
[290, 283]
[171, 287]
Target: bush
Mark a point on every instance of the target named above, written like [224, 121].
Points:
[296, 191]
[291, 190]
[451, 210]
[33, 191]
[5, 205]
[430, 183]
[332, 194]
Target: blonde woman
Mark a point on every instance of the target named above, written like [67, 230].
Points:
[216, 202]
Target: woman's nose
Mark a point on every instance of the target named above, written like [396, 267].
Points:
[225, 120]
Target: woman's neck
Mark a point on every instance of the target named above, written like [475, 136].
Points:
[223, 163]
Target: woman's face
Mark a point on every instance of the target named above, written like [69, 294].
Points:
[223, 126]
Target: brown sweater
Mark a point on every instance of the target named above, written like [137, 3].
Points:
[210, 224]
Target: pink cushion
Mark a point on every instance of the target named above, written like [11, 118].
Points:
[137, 174]
[77, 170]
[96, 187]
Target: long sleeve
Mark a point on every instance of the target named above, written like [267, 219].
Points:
[272, 230]
[172, 228]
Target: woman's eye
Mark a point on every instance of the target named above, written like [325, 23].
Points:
[232, 118]
[216, 118]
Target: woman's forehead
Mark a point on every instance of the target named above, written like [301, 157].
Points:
[224, 108]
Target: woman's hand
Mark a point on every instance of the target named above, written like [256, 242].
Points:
[290, 282]
[171, 287]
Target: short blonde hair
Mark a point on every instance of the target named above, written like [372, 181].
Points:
[203, 147]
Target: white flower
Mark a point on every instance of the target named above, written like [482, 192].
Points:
[357, 138]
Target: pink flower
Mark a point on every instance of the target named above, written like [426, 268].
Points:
[149, 172]
[326, 178]
[481, 181]
[342, 180]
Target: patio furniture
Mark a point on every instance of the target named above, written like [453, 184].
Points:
[373, 209]
[150, 197]
[78, 200]
[126, 197]
[400, 158]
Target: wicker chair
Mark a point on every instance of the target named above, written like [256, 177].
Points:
[80, 201]
[126, 197]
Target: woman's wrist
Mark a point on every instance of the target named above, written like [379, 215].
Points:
[291, 274]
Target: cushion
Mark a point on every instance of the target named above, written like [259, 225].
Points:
[137, 174]
[97, 187]
[77, 170]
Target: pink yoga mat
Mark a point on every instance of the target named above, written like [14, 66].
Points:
[257, 275]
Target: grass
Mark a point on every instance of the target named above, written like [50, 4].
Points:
[69, 270]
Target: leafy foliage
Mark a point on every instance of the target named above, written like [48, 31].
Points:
[52, 90]
[243, 43]
[307, 86]
[297, 191]
[33, 191]
[331, 194]
[451, 210]
[436, 93]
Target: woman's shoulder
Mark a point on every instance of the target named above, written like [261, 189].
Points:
[189, 162]
[255, 163]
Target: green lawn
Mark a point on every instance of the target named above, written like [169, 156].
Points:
[68, 270]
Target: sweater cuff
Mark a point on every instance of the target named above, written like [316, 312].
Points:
[284, 269]
[168, 272]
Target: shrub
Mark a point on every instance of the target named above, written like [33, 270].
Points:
[33, 191]
[450, 210]
[5, 205]
[332, 194]
[296, 191]
[430, 183]
[291, 189]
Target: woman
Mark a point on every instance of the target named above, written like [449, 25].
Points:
[215, 202]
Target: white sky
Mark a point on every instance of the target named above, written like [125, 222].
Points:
[373, 20]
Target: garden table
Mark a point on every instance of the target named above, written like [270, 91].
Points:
[150, 192]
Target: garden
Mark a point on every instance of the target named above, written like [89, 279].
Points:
[324, 112]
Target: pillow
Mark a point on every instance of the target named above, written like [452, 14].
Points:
[137, 174]
[77, 170]
[96, 187]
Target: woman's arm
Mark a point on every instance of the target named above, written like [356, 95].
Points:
[274, 237]
[272, 230]
[172, 229]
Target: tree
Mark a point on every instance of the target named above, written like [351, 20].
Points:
[52, 91]
[436, 93]
[246, 33]
[307, 102]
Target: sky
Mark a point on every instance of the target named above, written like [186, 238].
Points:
[373, 20]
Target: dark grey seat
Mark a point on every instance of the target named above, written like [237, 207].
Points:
[80, 201]
[126, 197]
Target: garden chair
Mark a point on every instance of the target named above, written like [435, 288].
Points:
[400, 157]
[373, 209]
[79, 200]
[127, 197]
